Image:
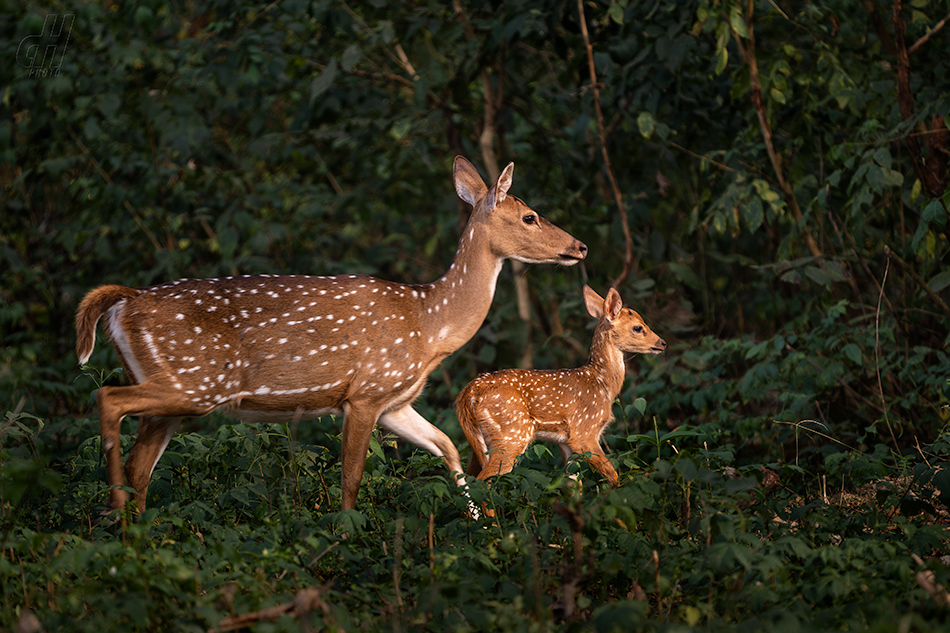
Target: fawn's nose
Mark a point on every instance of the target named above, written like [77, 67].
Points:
[582, 247]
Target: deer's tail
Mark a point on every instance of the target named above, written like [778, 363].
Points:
[96, 303]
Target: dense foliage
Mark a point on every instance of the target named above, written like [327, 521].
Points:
[765, 182]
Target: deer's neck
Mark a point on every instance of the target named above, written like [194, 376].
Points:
[606, 364]
[455, 305]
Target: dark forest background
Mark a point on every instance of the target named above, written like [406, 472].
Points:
[765, 182]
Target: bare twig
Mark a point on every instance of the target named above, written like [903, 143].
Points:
[926, 36]
[923, 284]
[618, 198]
[801, 425]
[399, 56]
[857, 253]
[307, 600]
[709, 160]
[105, 176]
[877, 347]
[747, 52]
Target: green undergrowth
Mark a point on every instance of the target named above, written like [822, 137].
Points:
[244, 518]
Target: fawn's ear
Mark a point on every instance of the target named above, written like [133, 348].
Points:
[613, 304]
[595, 305]
[468, 184]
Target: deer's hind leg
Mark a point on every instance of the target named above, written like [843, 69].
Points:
[154, 435]
[159, 407]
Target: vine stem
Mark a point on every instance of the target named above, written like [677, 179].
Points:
[602, 132]
[748, 55]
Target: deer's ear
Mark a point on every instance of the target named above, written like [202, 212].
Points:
[595, 305]
[499, 191]
[468, 184]
[613, 304]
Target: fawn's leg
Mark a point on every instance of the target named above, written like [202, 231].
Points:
[507, 430]
[597, 460]
[566, 453]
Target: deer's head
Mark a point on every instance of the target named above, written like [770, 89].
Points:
[516, 230]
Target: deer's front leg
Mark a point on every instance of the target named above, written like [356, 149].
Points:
[358, 423]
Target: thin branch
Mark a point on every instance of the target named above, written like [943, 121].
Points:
[721, 166]
[867, 269]
[758, 103]
[307, 599]
[801, 425]
[381, 76]
[105, 176]
[399, 56]
[618, 198]
[926, 36]
[923, 284]
[877, 348]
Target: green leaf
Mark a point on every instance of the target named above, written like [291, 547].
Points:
[646, 123]
[935, 214]
[939, 281]
[892, 177]
[323, 81]
[853, 352]
[875, 178]
[640, 404]
[753, 214]
[919, 235]
[685, 274]
[615, 12]
[737, 22]
[721, 60]
[883, 157]
[351, 56]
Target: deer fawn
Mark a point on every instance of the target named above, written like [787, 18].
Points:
[502, 412]
[276, 348]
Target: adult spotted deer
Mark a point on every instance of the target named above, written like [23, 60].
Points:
[501, 413]
[276, 348]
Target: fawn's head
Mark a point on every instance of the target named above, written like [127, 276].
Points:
[625, 327]
[516, 231]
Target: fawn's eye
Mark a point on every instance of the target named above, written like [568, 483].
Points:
[637, 328]
[529, 219]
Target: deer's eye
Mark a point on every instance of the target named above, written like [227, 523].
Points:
[637, 328]
[529, 219]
